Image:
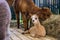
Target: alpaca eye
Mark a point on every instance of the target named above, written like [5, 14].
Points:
[36, 18]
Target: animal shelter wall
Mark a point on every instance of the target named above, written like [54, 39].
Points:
[52, 4]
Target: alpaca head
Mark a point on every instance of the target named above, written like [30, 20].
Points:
[35, 19]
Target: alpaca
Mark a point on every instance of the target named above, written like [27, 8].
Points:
[27, 7]
[5, 17]
[36, 30]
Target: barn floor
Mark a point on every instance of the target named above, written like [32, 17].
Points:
[16, 35]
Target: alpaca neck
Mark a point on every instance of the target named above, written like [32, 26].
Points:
[37, 24]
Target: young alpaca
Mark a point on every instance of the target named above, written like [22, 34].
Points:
[37, 30]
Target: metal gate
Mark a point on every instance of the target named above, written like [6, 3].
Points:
[52, 4]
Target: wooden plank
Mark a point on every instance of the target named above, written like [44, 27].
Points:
[20, 35]
[14, 37]
[41, 38]
[27, 35]
[20, 30]
[32, 38]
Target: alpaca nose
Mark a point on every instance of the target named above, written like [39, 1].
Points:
[33, 20]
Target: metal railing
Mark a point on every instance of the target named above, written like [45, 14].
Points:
[52, 4]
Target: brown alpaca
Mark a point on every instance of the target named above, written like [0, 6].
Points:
[36, 30]
[10, 2]
[27, 7]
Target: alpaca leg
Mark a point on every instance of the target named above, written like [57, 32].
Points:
[17, 17]
[17, 14]
[33, 35]
[25, 32]
[24, 21]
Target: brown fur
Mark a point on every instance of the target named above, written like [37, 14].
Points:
[10, 2]
[27, 7]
